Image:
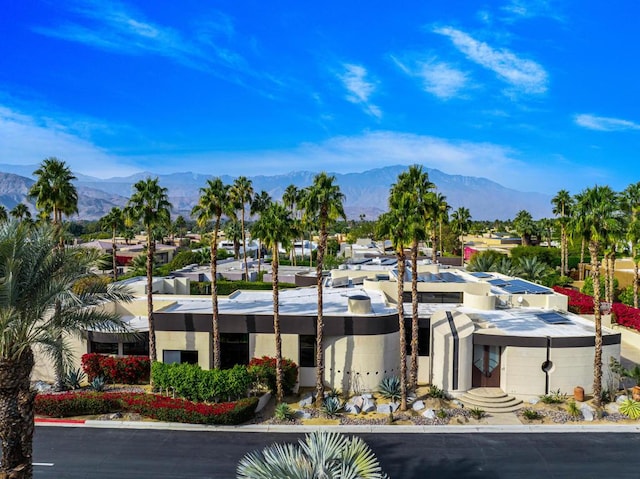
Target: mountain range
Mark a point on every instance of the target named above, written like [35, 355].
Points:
[366, 192]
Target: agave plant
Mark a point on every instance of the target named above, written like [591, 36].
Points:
[331, 406]
[320, 455]
[98, 384]
[389, 388]
[73, 379]
[630, 408]
[283, 412]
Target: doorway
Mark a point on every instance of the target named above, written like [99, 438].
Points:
[486, 366]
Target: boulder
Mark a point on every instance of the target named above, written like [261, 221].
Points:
[418, 406]
[387, 408]
[429, 414]
[587, 412]
[369, 405]
[306, 401]
[534, 401]
[622, 398]
[351, 409]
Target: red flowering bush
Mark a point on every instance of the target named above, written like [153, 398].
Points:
[121, 370]
[149, 405]
[263, 370]
[581, 303]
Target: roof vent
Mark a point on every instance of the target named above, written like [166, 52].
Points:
[359, 304]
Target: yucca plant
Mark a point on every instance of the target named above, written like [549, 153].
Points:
[573, 409]
[630, 408]
[477, 413]
[74, 378]
[436, 393]
[331, 406]
[283, 412]
[389, 388]
[320, 454]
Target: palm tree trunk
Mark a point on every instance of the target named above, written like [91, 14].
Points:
[582, 246]
[244, 248]
[636, 280]
[16, 417]
[320, 321]
[440, 238]
[214, 296]
[607, 288]
[563, 251]
[413, 374]
[113, 252]
[612, 275]
[276, 330]
[597, 359]
[401, 331]
[152, 328]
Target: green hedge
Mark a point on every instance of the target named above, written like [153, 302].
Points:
[263, 370]
[149, 405]
[193, 383]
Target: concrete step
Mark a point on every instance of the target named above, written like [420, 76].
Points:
[492, 400]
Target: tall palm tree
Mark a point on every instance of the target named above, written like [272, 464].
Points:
[233, 231]
[596, 215]
[323, 204]
[36, 276]
[54, 190]
[274, 227]
[150, 205]
[461, 222]
[545, 226]
[114, 222]
[20, 212]
[4, 214]
[259, 204]
[631, 201]
[320, 455]
[241, 193]
[562, 205]
[213, 203]
[391, 225]
[441, 214]
[420, 215]
[290, 198]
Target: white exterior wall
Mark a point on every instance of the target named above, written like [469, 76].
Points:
[359, 363]
[442, 353]
[521, 372]
[264, 344]
[187, 341]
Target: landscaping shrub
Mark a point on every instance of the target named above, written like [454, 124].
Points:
[148, 405]
[121, 370]
[193, 383]
[263, 372]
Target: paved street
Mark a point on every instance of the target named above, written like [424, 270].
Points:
[139, 454]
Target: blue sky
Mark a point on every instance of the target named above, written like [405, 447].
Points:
[537, 95]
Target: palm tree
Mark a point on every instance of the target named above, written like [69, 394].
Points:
[524, 225]
[391, 225]
[274, 227]
[461, 222]
[36, 277]
[545, 226]
[596, 215]
[323, 204]
[532, 268]
[21, 212]
[259, 204]
[4, 214]
[320, 455]
[290, 198]
[149, 204]
[114, 222]
[631, 197]
[441, 210]
[180, 224]
[562, 205]
[213, 203]
[241, 193]
[420, 213]
[233, 231]
[53, 190]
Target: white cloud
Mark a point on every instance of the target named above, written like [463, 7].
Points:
[603, 123]
[524, 75]
[354, 79]
[438, 78]
[26, 140]
[522, 9]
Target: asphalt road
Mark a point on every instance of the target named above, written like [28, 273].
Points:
[138, 454]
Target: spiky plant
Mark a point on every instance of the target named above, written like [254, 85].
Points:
[389, 388]
[477, 413]
[74, 378]
[331, 406]
[631, 409]
[283, 412]
[98, 384]
[320, 455]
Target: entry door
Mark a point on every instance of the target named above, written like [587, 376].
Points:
[486, 366]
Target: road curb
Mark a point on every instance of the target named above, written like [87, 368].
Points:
[364, 429]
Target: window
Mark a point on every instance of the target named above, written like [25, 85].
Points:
[140, 348]
[234, 349]
[307, 351]
[104, 348]
[432, 297]
[424, 336]
[172, 356]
